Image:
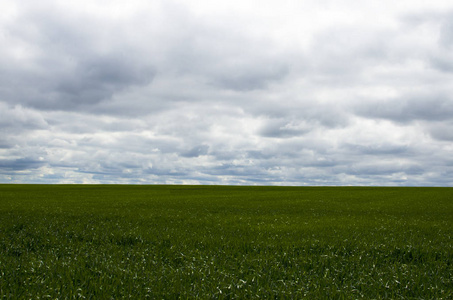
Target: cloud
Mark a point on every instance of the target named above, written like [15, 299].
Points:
[19, 164]
[287, 93]
[409, 108]
[379, 150]
[18, 118]
[58, 61]
[441, 131]
[196, 151]
[382, 168]
[281, 128]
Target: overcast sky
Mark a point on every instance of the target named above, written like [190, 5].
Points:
[316, 92]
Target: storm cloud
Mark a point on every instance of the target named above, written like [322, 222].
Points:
[281, 93]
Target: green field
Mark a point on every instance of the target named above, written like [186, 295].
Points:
[113, 241]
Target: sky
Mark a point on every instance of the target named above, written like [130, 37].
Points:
[268, 92]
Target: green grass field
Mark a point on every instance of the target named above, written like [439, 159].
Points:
[111, 241]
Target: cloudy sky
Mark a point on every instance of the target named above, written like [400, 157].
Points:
[316, 92]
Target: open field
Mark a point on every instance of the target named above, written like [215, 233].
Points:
[73, 241]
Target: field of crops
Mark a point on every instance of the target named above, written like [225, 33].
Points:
[111, 241]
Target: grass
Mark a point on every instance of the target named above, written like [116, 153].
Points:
[220, 242]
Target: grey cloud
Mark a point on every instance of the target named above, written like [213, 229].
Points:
[446, 31]
[89, 82]
[84, 63]
[253, 77]
[443, 62]
[301, 114]
[322, 163]
[285, 153]
[20, 164]
[379, 150]
[342, 56]
[166, 172]
[441, 131]
[5, 145]
[281, 128]
[97, 79]
[259, 154]
[221, 57]
[66, 69]
[116, 163]
[240, 65]
[134, 143]
[228, 169]
[409, 108]
[224, 155]
[196, 151]
[381, 168]
[18, 118]
[440, 57]
[85, 123]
